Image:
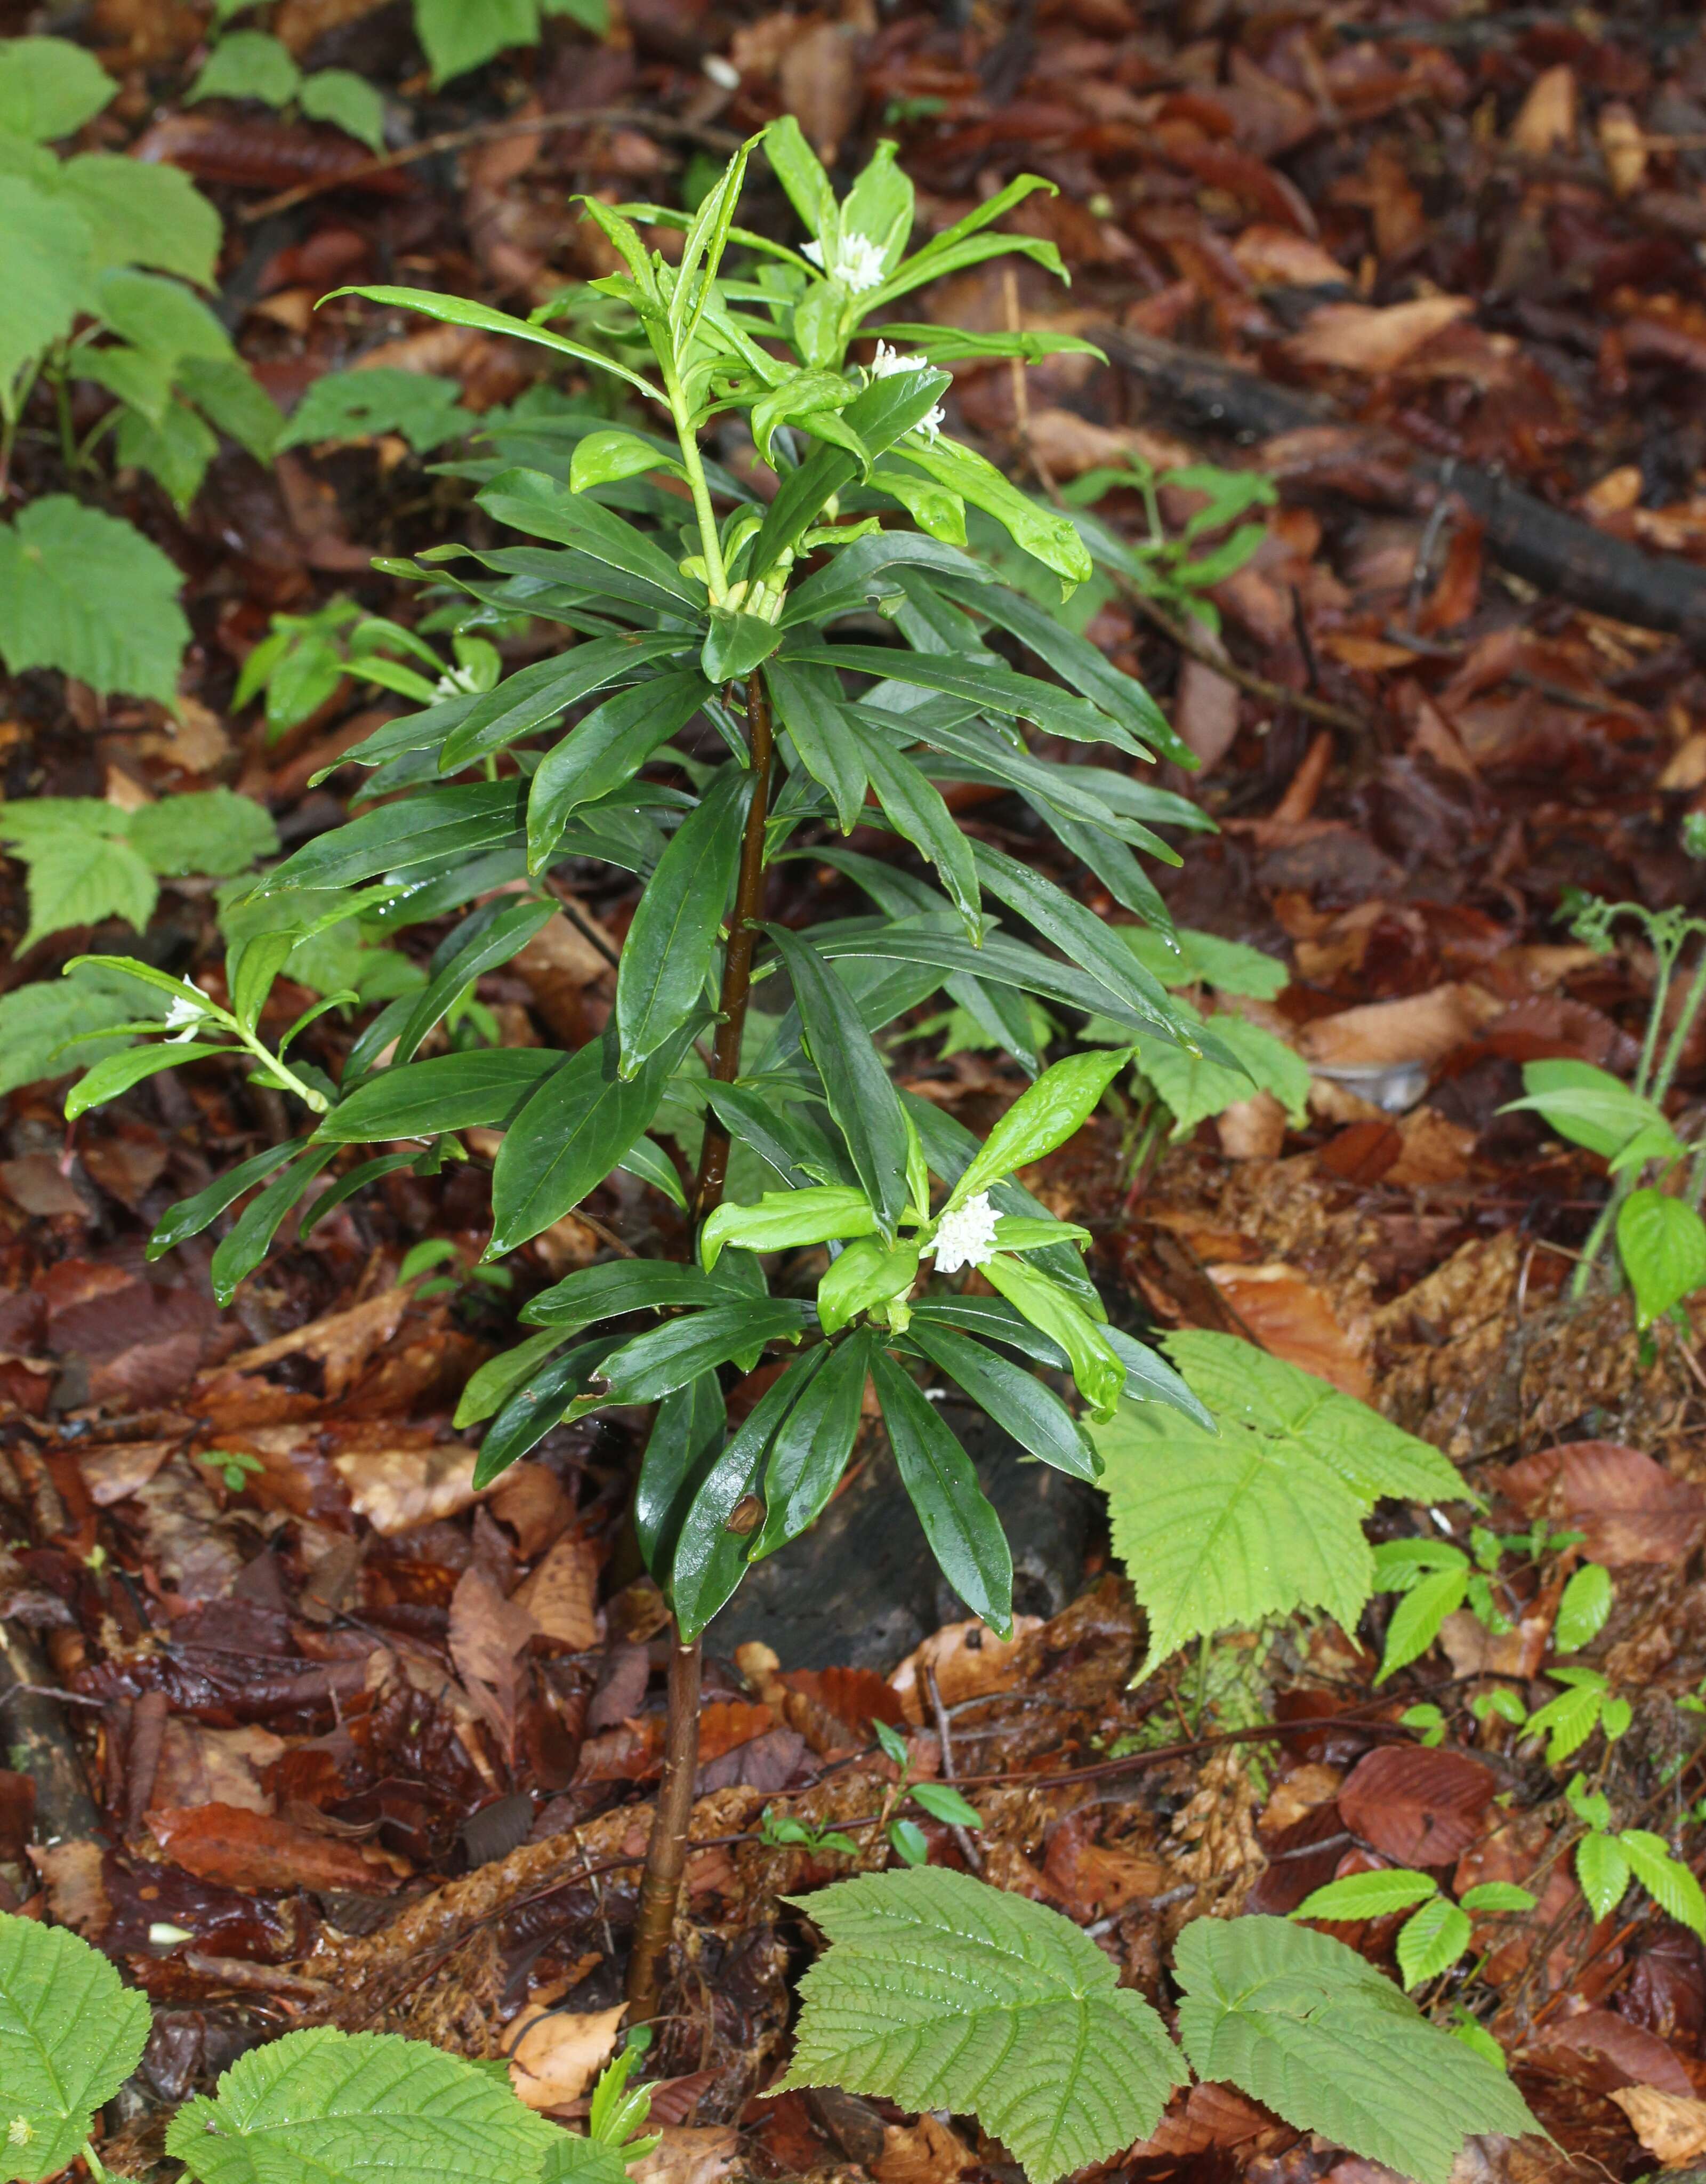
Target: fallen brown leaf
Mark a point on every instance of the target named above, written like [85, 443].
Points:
[966, 1660]
[554, 2055]
[396, 1489]
[1292, 1318]
[1414, 1806]
[486, 1633]
[246, 1849]
[1371, 338]
[1631, 1509]
[561, 1594]
[1671, 2126]
[922, 2152]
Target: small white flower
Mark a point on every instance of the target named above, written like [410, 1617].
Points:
[932, 423]
[453, 682]
[888, 361]
[858, 265]
[184, 1019]
[967, 1236]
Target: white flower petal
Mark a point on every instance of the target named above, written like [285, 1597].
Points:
[967, 1236]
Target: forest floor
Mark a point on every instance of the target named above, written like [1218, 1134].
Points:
[379, 1751]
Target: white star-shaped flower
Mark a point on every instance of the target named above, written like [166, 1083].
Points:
[858, 264]
[967, 1236]
[184, 1019]
[888, 360]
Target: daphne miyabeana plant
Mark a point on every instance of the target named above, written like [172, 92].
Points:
[715, 714]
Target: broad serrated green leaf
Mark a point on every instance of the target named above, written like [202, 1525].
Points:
[349, 101]
[1193, 1088]
[88, 594]
[938, 1992]
[1303, 2025]
[139, 214]
[248, 64]
[1191, 957]
[324, 2107]
[79, 878]
[1662, 1243]
[208, 830]
[1265, 1518]
[69, 2037]
[351, 405]
[37, 1020]
[48, 88]
[1666, 1878]
[47, 255]
[1420, 1615]
[458, 37]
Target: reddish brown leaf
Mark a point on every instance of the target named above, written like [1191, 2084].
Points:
[486, 1633]
[1415, 1806]
[242, 1849]
[1631, 1509]
[1600, 2049]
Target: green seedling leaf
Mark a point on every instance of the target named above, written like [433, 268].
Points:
[69, 2037]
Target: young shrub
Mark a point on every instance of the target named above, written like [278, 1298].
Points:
[729, 619]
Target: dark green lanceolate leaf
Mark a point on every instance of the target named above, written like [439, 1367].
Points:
[190, 1216]
[737, 644]
[856, 1086]
[120, 1072]
[1000, 962]
[686, 1441]
[939, 1991]
[529, 1415]
[1088, 669]
[1092, 945]
[857, 577]
[1016, 1400]
[400, 838]
[995, 1320]
[1149, 1379]
[1308, 2028]
[963, 1530]
[343, 2107]
[797, 1150]
[625, 1285]
[878, 416]
[1110, 860]
[568, 1136]
[610, 745]
[449, 1092]
[241, 1251]
[709, 1561]
[1051, 538]
[812, 1444]
[484, 1391]
[653, 1165]
[668, 1356]
[533, 697]
[69, 2037]
[810, 705]
[507, 935]
[1131, 810]
[989, 685]
[914, 807]
[669, 945]
[532, 502]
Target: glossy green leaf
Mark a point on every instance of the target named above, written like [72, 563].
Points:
[857, 1085]
[1368, 1895]
[686, 1441]
[1662, 1243]
[69, 2033]
[810, 706]
[239, 1253]
[1432, 1941]
[1043, 1116]
[568, 1136]
[120, 1072]
[813, 1445]
[607, 748]
[1018, 1401]
[482, 1089]
[460, 311]
[866, 1276]
[529, 1411]
[1582, 1608]
[190, 1215]
[617, 1286]
[667, 1357]
[963, 1530]
[783, 1220]
[671, 943]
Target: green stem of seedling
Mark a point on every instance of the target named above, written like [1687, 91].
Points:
[95, 2170]
[710, 546]
[1685, 1023]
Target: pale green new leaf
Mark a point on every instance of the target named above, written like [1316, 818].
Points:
[1204, 959]
[139, 214]
[1305, 2026]
[69, 2037]
[36, 1021]
[1420, 1615]
[939, 1991]
[1192, 1087]
[248, 64]
[1582, 1608]
[1662, 1243]
[210, 830]
[458, 37]
[1569, 1721]
[349, 101]
[1602, 1871]
[1265, 1518]
[87, 593]
[323, 2107]
[1368, 1895]
[79, 875]
[1432, 1941]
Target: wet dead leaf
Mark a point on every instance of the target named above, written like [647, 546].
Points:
[1545, 121]
[1289, 1317]
[554, 2055]
[486, 1633]
[396, 1488]
[1671, 2126]
[1373, 337]
[246, 1849]
[343, 1341]
[1417, 1807]
[1421, 1027]
[111, 1474]
[533, 1503]
[561, 1594]
[1631, 1509]
[966, 1659]
[922, 2152]
[702, 2156]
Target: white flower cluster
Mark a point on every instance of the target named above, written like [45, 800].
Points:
[184, 1019]
[967, 1236]
[858, 264]
[884, 365]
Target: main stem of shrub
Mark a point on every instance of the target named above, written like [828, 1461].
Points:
[666, 1852]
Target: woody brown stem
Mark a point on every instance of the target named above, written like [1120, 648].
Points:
[666, 1852]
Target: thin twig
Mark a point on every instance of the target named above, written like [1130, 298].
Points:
[492, 132]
